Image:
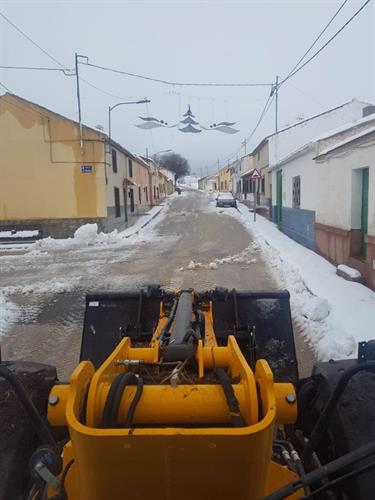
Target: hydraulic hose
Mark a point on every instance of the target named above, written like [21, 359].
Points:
[169, 322]
[39, 423]
[134, 403]
[112, 404]
[232, 402]
[324, 471]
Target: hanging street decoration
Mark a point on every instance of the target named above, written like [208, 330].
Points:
[187, 124]
[225, 127]
[151, 122]
[190, 122]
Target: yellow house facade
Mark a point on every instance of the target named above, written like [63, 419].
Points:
[48, 178]
[54, 179]
[225, 179]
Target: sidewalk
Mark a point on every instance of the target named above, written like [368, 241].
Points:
[334, 314]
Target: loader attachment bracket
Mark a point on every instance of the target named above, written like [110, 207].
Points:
[111, 316]
[262, 318]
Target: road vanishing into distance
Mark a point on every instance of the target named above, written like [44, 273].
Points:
[192, 245]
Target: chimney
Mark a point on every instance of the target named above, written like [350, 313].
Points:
[368, 110]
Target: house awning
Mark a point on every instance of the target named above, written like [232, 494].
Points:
[248, 173]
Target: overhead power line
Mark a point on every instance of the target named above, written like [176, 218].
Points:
[325, 45]
[64, 69]
[31, 40]
[297, 69]
[175, 84]
[263, 113]
[318, 37]
[67, 72]
[5, 87]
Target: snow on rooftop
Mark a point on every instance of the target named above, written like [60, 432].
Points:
[345, 141]
[343, 128]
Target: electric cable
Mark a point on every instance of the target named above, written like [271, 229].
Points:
[180, 84]
[31, 40]
[344, 477]
[66, 71]
[38, 68]
[325, 45]
[297, 69]
[5, 87]
[326, 470]
[319, 36]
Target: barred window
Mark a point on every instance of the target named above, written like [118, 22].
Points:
[117, 202]
[296, 191]
[114, 161]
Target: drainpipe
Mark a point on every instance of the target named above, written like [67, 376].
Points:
[126, 200]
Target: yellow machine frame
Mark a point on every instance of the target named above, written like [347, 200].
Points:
[161, 457]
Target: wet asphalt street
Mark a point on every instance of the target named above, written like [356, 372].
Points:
[192, 246]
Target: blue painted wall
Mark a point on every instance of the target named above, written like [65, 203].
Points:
[298, 224]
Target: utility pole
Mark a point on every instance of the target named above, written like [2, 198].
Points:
[79, 103]
[244, 142]
[276, 102]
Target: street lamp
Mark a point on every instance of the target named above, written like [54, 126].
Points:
[164, 151]
[111, 108]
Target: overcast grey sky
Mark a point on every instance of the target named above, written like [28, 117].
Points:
[212, 41]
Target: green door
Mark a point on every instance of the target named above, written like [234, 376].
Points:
[279, 196]
[364, 210]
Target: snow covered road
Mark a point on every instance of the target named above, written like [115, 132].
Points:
[189, 243]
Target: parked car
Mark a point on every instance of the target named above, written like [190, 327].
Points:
[226, 200]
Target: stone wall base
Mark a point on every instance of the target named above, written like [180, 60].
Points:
[56, 228]
[341, 246]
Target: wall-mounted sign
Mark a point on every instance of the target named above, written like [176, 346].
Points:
[86, 169]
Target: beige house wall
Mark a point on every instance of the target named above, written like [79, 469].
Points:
[225, 181]
[141, 179]
[40, 165]
[261, 163]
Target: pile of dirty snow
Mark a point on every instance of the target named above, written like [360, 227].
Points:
[331, 313]
[87, 235]
[8, 313]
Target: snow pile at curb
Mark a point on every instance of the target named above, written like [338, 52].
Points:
[333, 314]
[8, 313]
[88, 236]
[352, 273]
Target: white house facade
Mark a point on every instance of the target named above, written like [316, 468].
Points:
[289, 154]
[325, 194]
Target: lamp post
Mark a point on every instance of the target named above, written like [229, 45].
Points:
[156, 156]
[164, 151]
[111, 108]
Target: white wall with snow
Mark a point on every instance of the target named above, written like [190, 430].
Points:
[304, 166]
[340, 187]
[285, 142]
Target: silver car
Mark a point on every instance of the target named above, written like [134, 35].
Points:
[226, 200]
